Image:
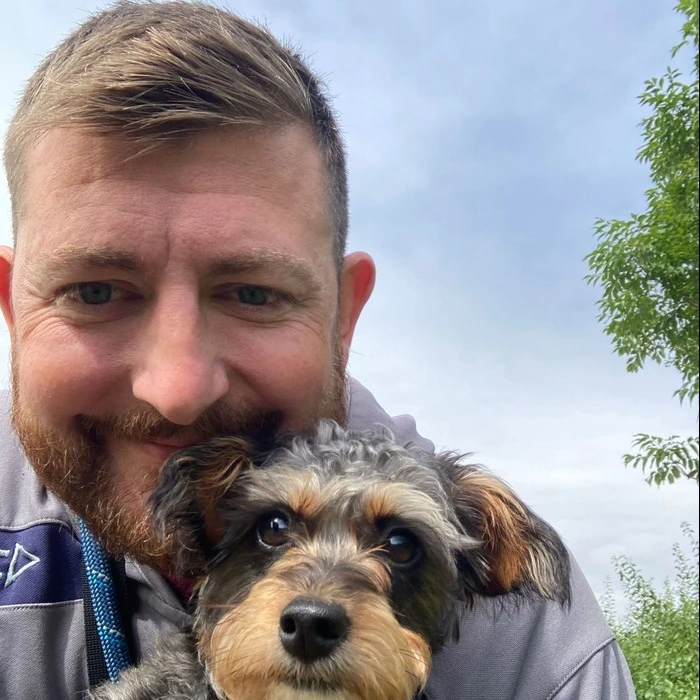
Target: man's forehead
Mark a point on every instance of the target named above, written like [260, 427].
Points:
[80, 156]
[73, 170]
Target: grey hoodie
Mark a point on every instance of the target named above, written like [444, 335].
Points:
[540, 652]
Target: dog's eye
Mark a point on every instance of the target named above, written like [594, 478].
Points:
[401, 547]
[273, 529]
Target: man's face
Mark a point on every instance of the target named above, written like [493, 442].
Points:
[158, 299]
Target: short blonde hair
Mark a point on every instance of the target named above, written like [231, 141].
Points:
[153, 72]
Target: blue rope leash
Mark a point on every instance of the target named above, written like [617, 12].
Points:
[104, 602]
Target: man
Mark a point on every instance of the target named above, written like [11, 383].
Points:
[179, 204]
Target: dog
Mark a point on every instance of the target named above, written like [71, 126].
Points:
[335, 566]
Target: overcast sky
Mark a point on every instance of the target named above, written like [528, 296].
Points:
[484, 140]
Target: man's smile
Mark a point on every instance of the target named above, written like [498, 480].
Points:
[155, 452]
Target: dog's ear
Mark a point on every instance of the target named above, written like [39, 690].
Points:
[517, 552]
[185, 503]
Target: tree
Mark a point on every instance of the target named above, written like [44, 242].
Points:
[647, 266]
[658, 632]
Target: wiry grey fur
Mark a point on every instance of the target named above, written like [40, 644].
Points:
[435, 502]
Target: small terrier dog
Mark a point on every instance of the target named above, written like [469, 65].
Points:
[341, 563]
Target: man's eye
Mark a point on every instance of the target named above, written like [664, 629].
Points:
[254, 296]
[95, 292]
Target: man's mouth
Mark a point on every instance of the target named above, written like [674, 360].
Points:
[160, 449]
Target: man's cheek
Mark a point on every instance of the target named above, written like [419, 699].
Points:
[297, 377]
[64, 380]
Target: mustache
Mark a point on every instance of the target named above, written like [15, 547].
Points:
[144, 423]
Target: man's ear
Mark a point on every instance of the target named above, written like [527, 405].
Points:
[185, 504]
[6, 260]
[518, 552]
[356, 285]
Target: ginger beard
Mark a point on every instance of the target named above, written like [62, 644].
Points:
[73, 464]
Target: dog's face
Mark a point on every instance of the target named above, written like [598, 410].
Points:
[342, 562]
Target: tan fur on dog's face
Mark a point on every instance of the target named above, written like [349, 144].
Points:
[334, 553]
[244, 650]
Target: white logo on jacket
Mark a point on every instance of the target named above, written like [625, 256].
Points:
[19, 556]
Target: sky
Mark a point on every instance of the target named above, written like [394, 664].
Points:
[484, 140]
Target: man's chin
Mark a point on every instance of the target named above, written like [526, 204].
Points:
[114, 505]
[121, 521]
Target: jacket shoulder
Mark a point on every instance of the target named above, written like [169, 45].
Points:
[533, 650]
[364, 412]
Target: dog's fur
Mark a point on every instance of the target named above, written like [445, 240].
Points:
[396, 541]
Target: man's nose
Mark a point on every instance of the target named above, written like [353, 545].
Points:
[180, 372]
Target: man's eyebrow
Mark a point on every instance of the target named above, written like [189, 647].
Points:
[267, 261]
[70, 256]
[83, 257]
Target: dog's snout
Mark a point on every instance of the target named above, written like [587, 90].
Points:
[311, 629]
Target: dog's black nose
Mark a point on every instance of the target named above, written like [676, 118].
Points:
[311, 629]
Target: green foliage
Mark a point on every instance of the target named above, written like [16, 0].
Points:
[659, 633]
[647, 266]
[666, 460]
